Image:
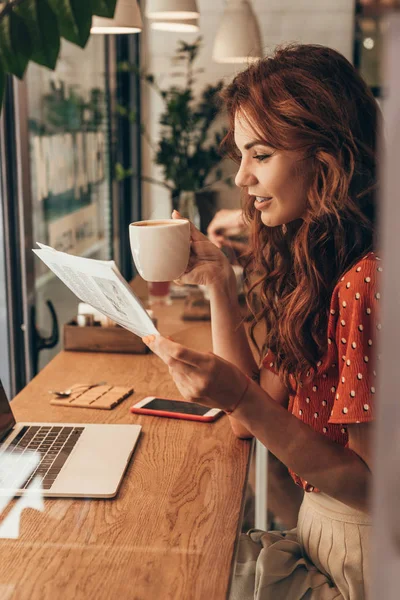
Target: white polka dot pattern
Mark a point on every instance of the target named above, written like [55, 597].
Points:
[343, 389]
[358, 310]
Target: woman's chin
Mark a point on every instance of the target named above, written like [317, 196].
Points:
[270, 220]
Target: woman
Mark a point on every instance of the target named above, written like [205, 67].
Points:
[303, 128]
[227, 223]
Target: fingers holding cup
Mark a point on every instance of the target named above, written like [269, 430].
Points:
[160, 248]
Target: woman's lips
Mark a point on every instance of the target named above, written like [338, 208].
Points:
[260, 201]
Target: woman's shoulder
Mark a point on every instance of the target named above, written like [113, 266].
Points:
[365, 271]
[353, 331]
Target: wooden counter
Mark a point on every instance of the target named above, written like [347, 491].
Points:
[171, 532]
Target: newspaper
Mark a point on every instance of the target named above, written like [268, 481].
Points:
[100, 284]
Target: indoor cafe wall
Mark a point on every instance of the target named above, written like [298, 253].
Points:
[68, 160]
[281, 21]
[69, 167]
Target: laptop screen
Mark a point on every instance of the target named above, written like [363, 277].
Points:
[7, 420]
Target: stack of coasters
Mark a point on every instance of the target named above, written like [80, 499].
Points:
[104, 397]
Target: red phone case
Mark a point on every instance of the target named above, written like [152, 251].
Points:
[173, 415]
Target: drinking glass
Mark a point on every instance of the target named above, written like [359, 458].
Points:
[159, 292]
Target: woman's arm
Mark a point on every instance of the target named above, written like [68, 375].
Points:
[340, 472]
[209, 266]
[360, 440]
[207, 379]
[229, 337]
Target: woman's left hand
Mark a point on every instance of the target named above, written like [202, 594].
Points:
[201, 377]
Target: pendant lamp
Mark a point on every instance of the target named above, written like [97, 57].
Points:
[172, 9]
[127, 19]
[238, 38]
[181, 25]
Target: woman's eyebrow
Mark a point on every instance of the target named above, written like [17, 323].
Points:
[255, 143]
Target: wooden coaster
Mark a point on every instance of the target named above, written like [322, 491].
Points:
[104, 397]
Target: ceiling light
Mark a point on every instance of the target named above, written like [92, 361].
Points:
[238, 38]
[127, 19]
[368, 43]
[172, 9]
[182, 25]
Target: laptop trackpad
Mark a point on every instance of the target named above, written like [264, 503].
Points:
[97, 463]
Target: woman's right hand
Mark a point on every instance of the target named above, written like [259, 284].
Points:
[207, 264]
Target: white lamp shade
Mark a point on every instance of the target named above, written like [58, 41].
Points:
[238, 38]
[127, 19]
[181, 25]
[172, 9]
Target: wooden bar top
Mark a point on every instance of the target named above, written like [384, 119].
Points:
[171, 532]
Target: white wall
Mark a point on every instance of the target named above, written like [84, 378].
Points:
[308, 21]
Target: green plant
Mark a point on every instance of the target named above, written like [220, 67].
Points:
[65, 109]
[187, 150]
[30, 30]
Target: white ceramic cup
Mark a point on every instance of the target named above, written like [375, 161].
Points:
[160, 248]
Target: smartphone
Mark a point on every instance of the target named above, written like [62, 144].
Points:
[176, 409]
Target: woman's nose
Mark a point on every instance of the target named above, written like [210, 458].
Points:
[244, 177]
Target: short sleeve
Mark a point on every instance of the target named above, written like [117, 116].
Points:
[269, 362]
[357, 334]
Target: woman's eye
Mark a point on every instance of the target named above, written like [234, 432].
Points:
[261, 157]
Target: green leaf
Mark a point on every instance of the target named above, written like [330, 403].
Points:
[104, 8]
[43, 28]
[74, 19]
[121, 173]
[15, 44]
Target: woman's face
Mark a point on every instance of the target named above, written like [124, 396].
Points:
[277, 179]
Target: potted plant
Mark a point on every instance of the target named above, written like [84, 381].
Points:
[187, 149]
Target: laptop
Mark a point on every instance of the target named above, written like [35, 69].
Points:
[67, 460]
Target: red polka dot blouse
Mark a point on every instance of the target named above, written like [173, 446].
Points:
[343, 389]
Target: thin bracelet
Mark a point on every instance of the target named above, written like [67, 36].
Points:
[229, 412]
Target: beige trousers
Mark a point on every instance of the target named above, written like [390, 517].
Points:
[325, 558]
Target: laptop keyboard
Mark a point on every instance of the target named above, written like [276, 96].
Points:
[53, 444]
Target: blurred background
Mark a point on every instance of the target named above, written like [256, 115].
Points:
[128, 128]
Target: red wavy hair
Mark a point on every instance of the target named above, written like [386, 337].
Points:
[309, 98]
